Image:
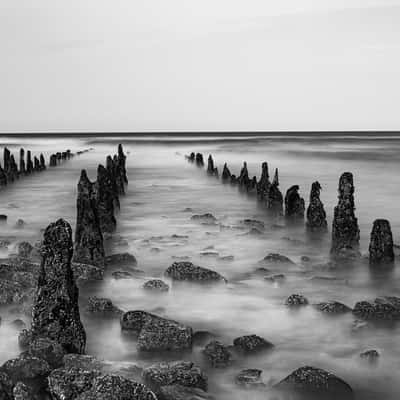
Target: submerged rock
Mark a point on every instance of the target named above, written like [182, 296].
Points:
[381, 243]
[251, 344]
[333, 307]
[183, 373]
[250, 379]
[345, 231]
[294, 204]
[206, 218]
[382, 308]
[187, 271]
[102, 305]
[316, 215]
[316, 383]
[156, 333]
[156, 284]
[89, 247]
[105, 197]
[217, 354]
[56, 311]
[275, 258]
[295, 300]
[370, 355]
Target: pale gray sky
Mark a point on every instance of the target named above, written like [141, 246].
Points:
[112, 65]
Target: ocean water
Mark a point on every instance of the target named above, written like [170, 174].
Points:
[165, 190]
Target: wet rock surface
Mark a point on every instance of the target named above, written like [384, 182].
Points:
[156, 285]
[296, 300]
[333, 307]
[251, 344]
[187, 271]
[316, 215]
[217, 354]
[105, 197]
[381, 243]
[250, 379]
[382, 308]
[294, 204]
[102, 305]
[275, 258]
[121, 259]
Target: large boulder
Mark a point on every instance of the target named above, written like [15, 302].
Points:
[156, 333]
[56, 311]
[332, 307]
[315, 383]
[251, 344]
[187, 271]
[381, 244]
[183, 373]
[316, 215]
[382, 308]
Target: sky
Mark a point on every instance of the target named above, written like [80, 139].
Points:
[199, 65]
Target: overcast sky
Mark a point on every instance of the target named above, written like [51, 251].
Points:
[143, 65]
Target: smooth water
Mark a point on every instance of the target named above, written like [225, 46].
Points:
[163, 185]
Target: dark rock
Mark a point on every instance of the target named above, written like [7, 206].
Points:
[42, 163]
[121, 275]
[187, 271]
[3, 177]
[332, 307]
[18, 324]
[274, 200]
[381, 243]
[345, 232]
[211, 169]
[199, 159]
[6, 387]
[234, 179]
[370, 355]
[22, 161]
[204, 218]
[29, 163]
[253, 223]
[294, 204]
[122, 163]
[226, 174]
[3, 218]
[56, 311]
[264, 184]
[183, 373]
[22, 392]
[244, 180]
[156, 284]
[310, 381]
[20, 223]
[86, 272]
[295, 300]
[105, 200]
[89, 247]
[102, 305]
[179, 392]
[24, 249]
[217, 354]
[275, 278]
[382, 308]
[36, 164]
[120, 259]
[48, 350]
[192, 157]
[53, 160]
[275, 258]
[250, 379]
[316, 215]
[251, 344]
[111, 168]
[156, 333]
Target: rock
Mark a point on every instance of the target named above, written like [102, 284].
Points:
[112, 171]
[226, 258]
[82, 361]
[381, 244]
[294, 204]
[156, 284]
[211, 169]
[3, 177]
[22, 392]
[345, 232]
[217, 354]
[42, 162]
[18, 324]
[102, 305]
[56, 311]
[105, 197]
[316, 215]
[183, 373]
[305, 259]
[253, 223]
[251, 344]
[274, 200]
[275, 278]
[125, 259]
[26, 368]
[29, 163]
[275, 258]
[36, 164]
[6, 387]
[53, 160]
[179, 392]
[250, 379]
[370, 355]
[86, 272]
[187, 271]
[202, 337]
[332, 307]
[20, 223]
[226, 174]
[244, 180]
[24, 249]
[199, 159]
[22, 161]
[295, 300]
[310, 381]
[89, 248]
[114, 387]
[3, 218]
[192, 157]
[156, 333]
[204, 218]
[48, 350]
[382, 308]
[121, 275]
[11, 292]
[122, 164]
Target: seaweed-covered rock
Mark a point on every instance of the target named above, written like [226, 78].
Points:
[105, 200]
[226, 174]
[294, 204]
[332, 307]
[251, 344]
[183, 373]
[315, 383]
[56, 311]
[156, 333]
[316, 215]
[179, 392]
[217, 354]
[381, 243]
[250, 379]
[156, 285]
[89, 248]
[345, 231]
[382, 308]
[102, 305]
[295, 300]
[187, 271]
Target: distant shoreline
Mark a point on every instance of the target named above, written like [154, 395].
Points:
[357, 133]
